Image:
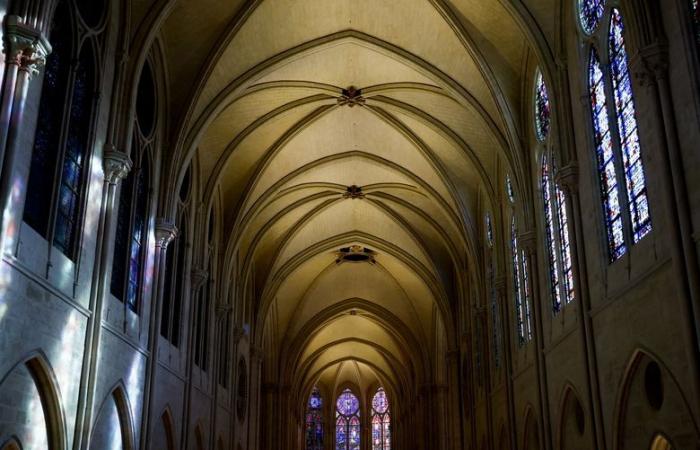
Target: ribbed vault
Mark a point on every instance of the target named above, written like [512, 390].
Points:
[351, 146]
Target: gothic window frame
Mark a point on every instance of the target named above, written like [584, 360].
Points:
[206, 297]
[616, 138]
[520, 277]
[132, 267]
[313, 419]
[61, 165]
[555, 216]
[347, 419]
[177, 266]
[492, 293]
[383, 418]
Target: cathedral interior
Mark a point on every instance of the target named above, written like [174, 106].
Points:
[350, 225]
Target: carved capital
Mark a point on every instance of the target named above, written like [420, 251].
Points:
[198, 278]
[567, 177]
[24, 45]
[165, 232]
[116, 165]
[528, 241]
[650, 64]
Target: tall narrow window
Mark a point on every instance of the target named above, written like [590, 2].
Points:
[381, 421]
[493, 294]
[63, 141]
[175, 277]
[201, 354]
[552, 250]
[347, 422]
[606, 159]
[628, 131]
[517, 288]
[565, 246]
[314, 421]
[132, 217]
[617, 142]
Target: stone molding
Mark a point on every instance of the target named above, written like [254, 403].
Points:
[165, 232]
[24, 46]
[116, 165]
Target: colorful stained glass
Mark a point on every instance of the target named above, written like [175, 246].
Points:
[314, 421]
[347, 425]
[517, 292]
[565, 246]
[381, 421]
[549, 227]
[542, 111]
[628, 131]
[590, 12]
[606, 159]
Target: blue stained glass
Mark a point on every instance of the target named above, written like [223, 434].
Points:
[314, 421]
[606, 159]
[542, 110]
[381, 421]
[627, 129]
[347, 426]
[590, 13]
[550, 236]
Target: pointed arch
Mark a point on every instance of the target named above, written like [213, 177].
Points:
[169, 428]
[199, 437]
[649, 398]
[121, 400]
[12, 444]
[531, 430]
[572, 429]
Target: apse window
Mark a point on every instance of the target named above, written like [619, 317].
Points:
[381, 421]
[347, 421]
[314, 421]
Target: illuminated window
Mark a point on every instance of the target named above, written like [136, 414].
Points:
[695, 10]
[590, 12]
[58, 175]
[347, 422]
[381, 421]
[521, 290]
[542, 109]
[314, 421]
[617, 144]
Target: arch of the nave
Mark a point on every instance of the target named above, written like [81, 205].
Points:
[350, 224]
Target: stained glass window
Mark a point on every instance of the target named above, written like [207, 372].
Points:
[590, 13]
[314, 421]
[542, 111]
[49, 124]
[55, 199]
[347, 424]
[509, 189]
[526, 297]
[489, 230]
[552, 252]
[627, 130]
[517, 291]
[565, 246]
[381, 421]
[606, 160]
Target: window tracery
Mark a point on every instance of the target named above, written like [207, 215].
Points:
[347, 422]
[314, 421]
[381, 421]
[616, 141]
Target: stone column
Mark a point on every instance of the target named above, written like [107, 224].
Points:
[165, 233]
[454, 397]
[567, 180]
[197, 279]
[25, 51]
[528, 241]
[116, 166]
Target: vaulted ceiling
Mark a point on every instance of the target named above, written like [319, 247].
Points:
[378, 127]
